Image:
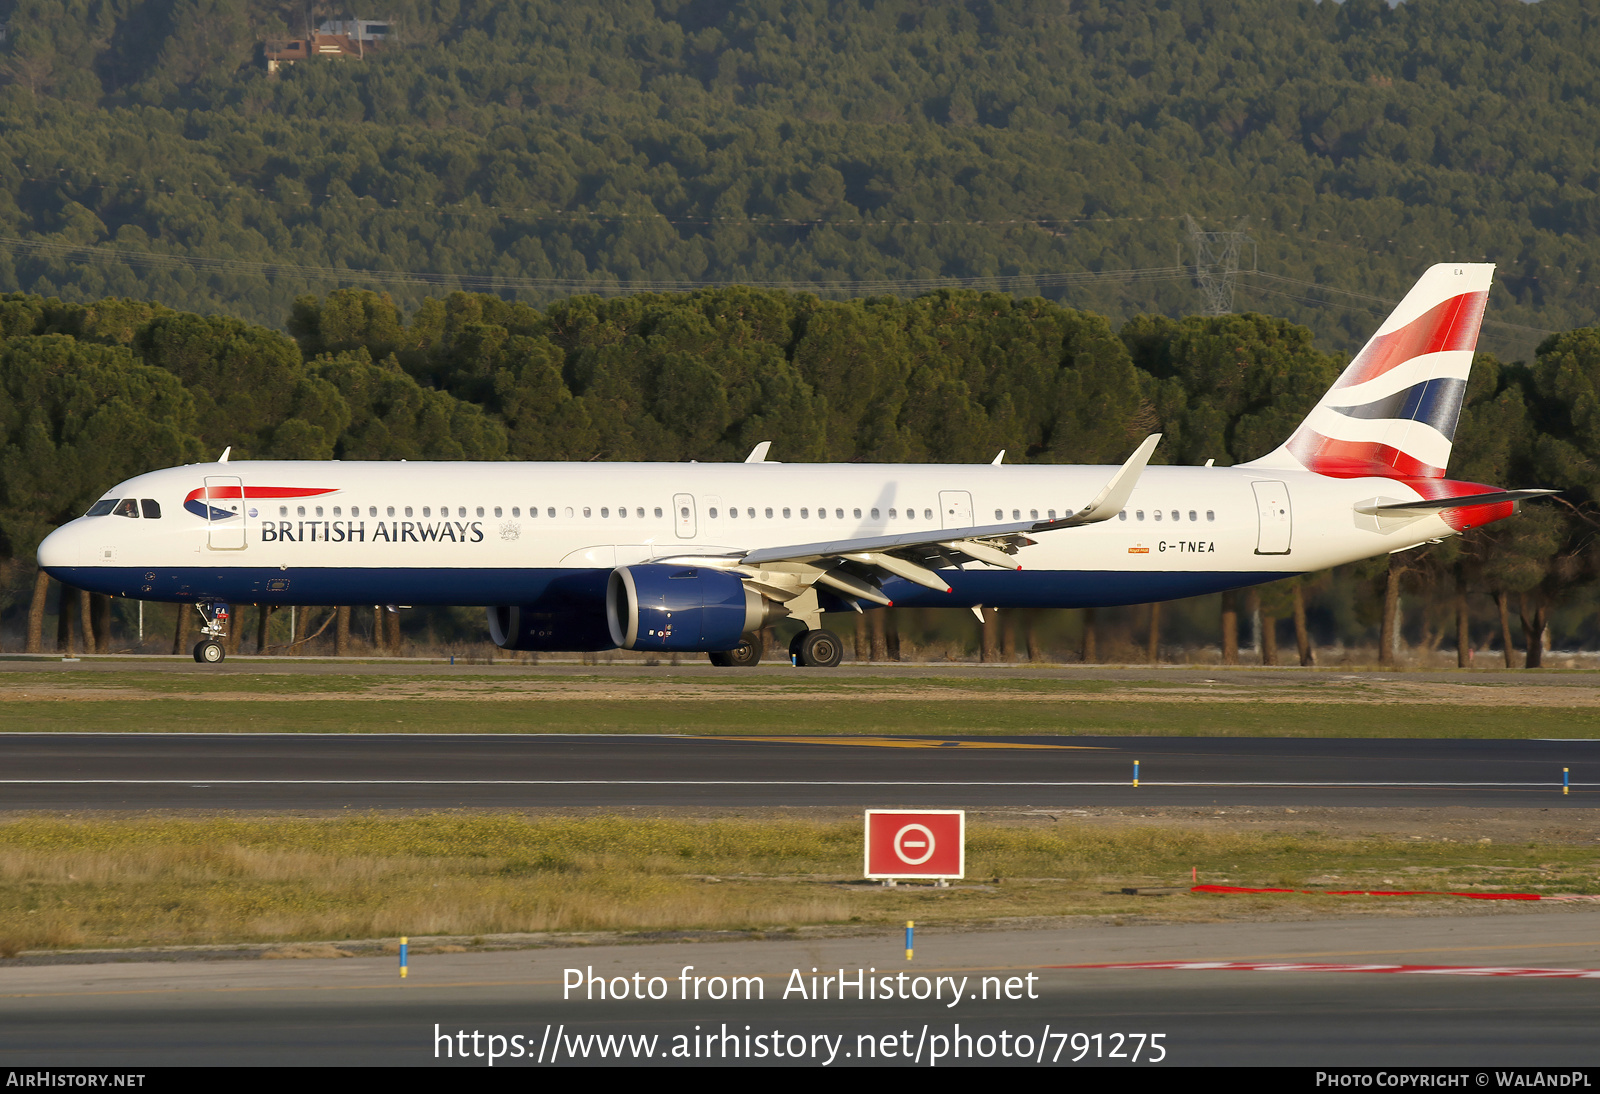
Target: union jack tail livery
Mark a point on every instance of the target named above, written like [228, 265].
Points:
[1393, 412]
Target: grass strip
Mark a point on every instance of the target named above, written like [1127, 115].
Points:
[813, 716]
[68, 883]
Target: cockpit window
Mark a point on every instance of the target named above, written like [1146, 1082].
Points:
[101, 507]
[127, 507]
[152, 508]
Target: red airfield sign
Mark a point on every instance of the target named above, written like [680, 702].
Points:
[916, 843]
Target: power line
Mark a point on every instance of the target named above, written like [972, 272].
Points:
[999, 282]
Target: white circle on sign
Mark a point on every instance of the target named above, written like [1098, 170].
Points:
[914, 852]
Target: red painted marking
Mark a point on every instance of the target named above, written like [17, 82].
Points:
[1317, 966]
[1369, 892]
[258, 492]
[1447, 326]
[1356, 459]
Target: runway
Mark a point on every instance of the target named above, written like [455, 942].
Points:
[358, 1012]
[424, 771]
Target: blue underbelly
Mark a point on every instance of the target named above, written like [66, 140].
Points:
[564, 588]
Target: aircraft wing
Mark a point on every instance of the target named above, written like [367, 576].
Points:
[852, 567]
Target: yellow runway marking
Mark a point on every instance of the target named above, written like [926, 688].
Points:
[903, 742]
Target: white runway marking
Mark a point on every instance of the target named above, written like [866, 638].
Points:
[1143, 783]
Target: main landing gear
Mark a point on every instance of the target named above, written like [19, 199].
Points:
[209, 650]
[746, 653]
[816, 649]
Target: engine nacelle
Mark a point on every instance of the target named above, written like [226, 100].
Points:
[683, 608]
[518, 628]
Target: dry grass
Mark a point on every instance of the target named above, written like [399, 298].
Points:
[68, 883]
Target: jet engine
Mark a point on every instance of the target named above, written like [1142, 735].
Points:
[683, 608]
[513, 627]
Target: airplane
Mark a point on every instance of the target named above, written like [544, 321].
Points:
[699, 557]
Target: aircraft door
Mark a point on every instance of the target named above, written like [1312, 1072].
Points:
[225, 513]
[955, 509]
[683, 515]
[1276, 518]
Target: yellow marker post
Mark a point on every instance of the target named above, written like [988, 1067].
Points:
[402, 957]
[909, 925]
[1565, 780]
[1136, 774]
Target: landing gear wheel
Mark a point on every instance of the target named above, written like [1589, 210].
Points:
[817, 649]
[209, 652]
[745, 654]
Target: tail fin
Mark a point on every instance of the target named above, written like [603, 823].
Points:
[1393, 412]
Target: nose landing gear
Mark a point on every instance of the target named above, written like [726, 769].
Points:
[209, 650]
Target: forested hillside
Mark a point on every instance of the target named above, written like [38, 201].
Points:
[90, 394]
[557, 147]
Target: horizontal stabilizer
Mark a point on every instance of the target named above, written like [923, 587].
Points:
[1425, 506]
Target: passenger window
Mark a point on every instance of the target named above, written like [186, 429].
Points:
[1138, 514]
[152, 509]
[891, 514]
[658, 511]
[805, 514]
[1211, 514]
[391, 511]
[372, 511]
[101, 507]
[712, 513]
[1033, 514]
[1157, 514]
[283, 511]
[1123, 515]
[1016, 514]
[126, 508]
[300, 511]
[641, 512]
[1193, 515]
[497, 510]
[1052, 514]
[303, 511]
[461, 511]
[585, 510]
[999, 514]
[426, 511]
[1175, 514]
[603, 512]
[336, 511]
[319, 510]
[480, 510]
[516, 511]
[786, 514]
[927, 514]
[857, 512]
[769, 512]
[874, 514]
[684, 512]
[751, 513]
[733, 512]
[839, 514]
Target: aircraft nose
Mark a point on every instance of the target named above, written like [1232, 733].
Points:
[60, 548]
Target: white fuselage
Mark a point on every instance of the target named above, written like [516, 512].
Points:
[499, 533]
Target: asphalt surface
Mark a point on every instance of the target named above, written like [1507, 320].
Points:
[331, 771]
[695, 666]
[358, 1012]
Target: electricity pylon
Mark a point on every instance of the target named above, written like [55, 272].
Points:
[1216, 264]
